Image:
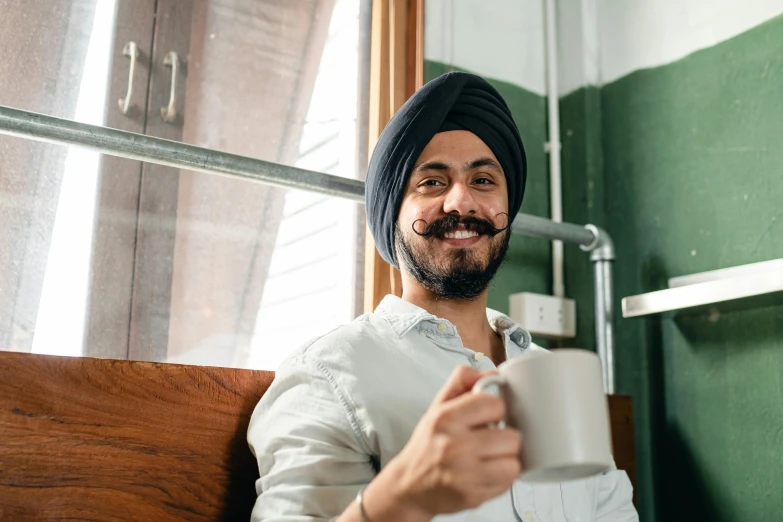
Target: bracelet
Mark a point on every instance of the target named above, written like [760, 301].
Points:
[359, 500]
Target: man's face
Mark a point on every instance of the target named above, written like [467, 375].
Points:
[452, 231]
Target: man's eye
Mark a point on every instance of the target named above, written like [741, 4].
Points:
[484, 181]
[430, 183]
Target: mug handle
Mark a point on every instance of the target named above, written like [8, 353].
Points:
[481, 387]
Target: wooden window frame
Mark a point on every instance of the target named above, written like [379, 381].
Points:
[396, 72]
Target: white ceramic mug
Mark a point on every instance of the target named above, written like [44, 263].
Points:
[556, 400]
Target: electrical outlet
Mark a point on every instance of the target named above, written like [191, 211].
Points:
[544, 315]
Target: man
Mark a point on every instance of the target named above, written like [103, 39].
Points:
[375, 421]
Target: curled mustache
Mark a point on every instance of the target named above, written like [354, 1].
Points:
[447, 224]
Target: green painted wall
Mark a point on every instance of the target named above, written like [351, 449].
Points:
[693, 181]
[528, 268]
[683, 165]
[583, 198]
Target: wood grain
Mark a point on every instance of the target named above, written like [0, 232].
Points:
[621, 418]
[376, 271]
[396, 72]
[106, 440]
[97, 439]
[415, 61]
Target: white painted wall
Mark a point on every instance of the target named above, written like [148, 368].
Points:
[501, 39]
[599, 41]
[641, 34]
[578, 48]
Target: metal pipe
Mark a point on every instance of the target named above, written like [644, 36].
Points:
[602, 256]
[535, 226]
[553, 145]
[603, 321]
[134, 146]
[130, 145]
[30, 125]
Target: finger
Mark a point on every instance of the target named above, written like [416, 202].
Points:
[470, 411]
[460, 382]
[489, 443]
[494, 491]
[485, 478]
[497, 473]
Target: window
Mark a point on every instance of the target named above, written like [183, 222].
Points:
[115, 258]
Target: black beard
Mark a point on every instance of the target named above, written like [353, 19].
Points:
[462, 277]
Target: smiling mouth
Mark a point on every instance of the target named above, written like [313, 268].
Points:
[460, 234]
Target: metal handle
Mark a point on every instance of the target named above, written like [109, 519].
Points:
[170, 113]
[487, 382]
[131, 50]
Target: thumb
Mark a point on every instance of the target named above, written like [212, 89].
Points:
[460, 382]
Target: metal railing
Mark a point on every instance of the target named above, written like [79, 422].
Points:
[40, 127]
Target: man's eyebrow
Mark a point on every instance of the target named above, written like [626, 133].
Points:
[431, 165]
[483, 162]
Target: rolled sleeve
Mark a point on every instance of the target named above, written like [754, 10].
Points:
[311, 459]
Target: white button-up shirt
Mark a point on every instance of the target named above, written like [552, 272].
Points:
[345, 404]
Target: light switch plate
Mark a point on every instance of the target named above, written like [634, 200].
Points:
[544, 315]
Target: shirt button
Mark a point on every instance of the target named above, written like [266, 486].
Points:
[442, 327]
[528, 515]
[478, 356]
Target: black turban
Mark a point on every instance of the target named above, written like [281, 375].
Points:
[454, 101]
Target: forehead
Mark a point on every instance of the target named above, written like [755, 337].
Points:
[454, 146]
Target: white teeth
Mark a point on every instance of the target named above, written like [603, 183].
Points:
[461, 234]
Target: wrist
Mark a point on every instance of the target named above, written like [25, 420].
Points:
[385, 499]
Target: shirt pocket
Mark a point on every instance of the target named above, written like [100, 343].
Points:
[579, 499]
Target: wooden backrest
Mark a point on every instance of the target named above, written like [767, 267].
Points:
[100, 439]
[623, 446]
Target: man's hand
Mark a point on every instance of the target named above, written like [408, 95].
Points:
[453, 461]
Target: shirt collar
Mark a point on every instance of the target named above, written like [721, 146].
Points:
[403, 316]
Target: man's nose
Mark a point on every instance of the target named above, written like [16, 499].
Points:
[459, 200]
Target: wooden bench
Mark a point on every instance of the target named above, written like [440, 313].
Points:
[100, 439]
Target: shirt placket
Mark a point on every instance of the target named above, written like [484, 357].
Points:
[445, 336]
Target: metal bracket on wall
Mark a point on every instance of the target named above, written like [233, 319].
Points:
[747, 286]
